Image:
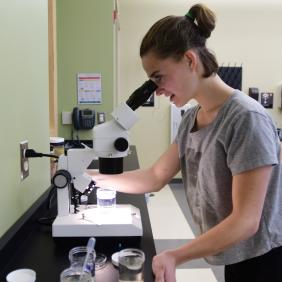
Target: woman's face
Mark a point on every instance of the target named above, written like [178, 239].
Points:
[175, 79]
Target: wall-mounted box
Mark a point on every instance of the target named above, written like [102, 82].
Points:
[266, 99]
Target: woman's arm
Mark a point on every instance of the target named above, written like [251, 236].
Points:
[248, 194]
[142, 180]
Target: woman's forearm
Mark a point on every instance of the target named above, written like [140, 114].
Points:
[222, 236]
[136, 181]
[143, 180]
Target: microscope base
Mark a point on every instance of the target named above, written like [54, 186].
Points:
[118, 221]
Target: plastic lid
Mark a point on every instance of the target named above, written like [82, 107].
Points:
[21, 275]
[100, 261]
[57, 140]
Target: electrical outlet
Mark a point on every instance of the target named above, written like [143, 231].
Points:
[101, 117]
[24, 160]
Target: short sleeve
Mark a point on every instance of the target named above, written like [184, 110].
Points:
[251, 143]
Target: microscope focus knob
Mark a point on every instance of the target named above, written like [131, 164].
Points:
[121, 144]
[61, 178]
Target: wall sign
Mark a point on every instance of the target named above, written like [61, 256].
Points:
[89, 88]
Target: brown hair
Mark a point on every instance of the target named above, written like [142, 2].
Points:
[172, 36]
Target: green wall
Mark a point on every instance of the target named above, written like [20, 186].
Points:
[24, 104]
[84, 45]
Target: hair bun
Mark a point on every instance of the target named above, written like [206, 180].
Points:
[204, 18]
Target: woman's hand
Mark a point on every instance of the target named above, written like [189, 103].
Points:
[164, 267]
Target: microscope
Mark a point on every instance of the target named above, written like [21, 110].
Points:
[110, 146]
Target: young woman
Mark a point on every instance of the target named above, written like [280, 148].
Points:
[227, 149]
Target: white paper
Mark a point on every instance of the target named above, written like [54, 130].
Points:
[89, 88]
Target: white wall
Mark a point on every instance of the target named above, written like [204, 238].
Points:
[247, 33]
[24, 104]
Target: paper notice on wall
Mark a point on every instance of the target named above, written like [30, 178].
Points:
[89, 88]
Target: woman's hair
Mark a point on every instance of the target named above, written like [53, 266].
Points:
[172, 36]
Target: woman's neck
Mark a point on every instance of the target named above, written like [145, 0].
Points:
[213, 94]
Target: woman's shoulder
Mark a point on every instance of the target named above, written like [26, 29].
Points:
[243, 103]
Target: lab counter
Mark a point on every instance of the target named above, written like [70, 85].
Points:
[32, 245]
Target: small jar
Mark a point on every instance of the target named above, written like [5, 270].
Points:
[106, 198]
[75, 273]
[56, 148]
[77, 257]
[57, 145]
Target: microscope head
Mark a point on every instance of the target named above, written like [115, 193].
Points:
[110, 141]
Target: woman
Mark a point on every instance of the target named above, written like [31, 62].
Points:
[227, 149]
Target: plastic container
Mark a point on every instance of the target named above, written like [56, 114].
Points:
[57, 148]
[131, 262]
[100, 261]
[57, 145]
[106, 198]
[74, 274]
[77, 257]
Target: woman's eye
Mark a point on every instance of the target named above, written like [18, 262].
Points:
[157, 79]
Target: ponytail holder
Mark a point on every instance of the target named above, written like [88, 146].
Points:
[190, 16]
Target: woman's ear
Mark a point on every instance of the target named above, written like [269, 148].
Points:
[191, 59]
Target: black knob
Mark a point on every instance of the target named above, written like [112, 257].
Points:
[61, 178]
[121, 144]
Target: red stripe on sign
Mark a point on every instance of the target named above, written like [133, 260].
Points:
[92, 77]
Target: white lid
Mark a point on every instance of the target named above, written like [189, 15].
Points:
[55, 140]
[21, 275]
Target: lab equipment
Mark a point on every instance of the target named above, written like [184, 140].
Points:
[110, 146]
[106, 198]
[57, 145]
[82, 263]
[130, 263]
[57, 148]
[79, 257]
[89, 252]
[75, 274]
[100, 261]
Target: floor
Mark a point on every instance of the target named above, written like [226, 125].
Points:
[172, 226]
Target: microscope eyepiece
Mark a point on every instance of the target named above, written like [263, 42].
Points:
[141, 94]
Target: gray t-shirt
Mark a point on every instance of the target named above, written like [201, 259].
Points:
[241, 138]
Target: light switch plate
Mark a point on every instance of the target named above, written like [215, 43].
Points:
[66, 117]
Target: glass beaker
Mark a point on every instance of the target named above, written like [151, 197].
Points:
[57, 148]
[106, 197]
[75, 274]
[131, 262]
[77, 257]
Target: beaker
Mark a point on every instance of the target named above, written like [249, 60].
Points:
[77, 257]
[75, 273]
[106, 197]
[56, 148]
[131, 262]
